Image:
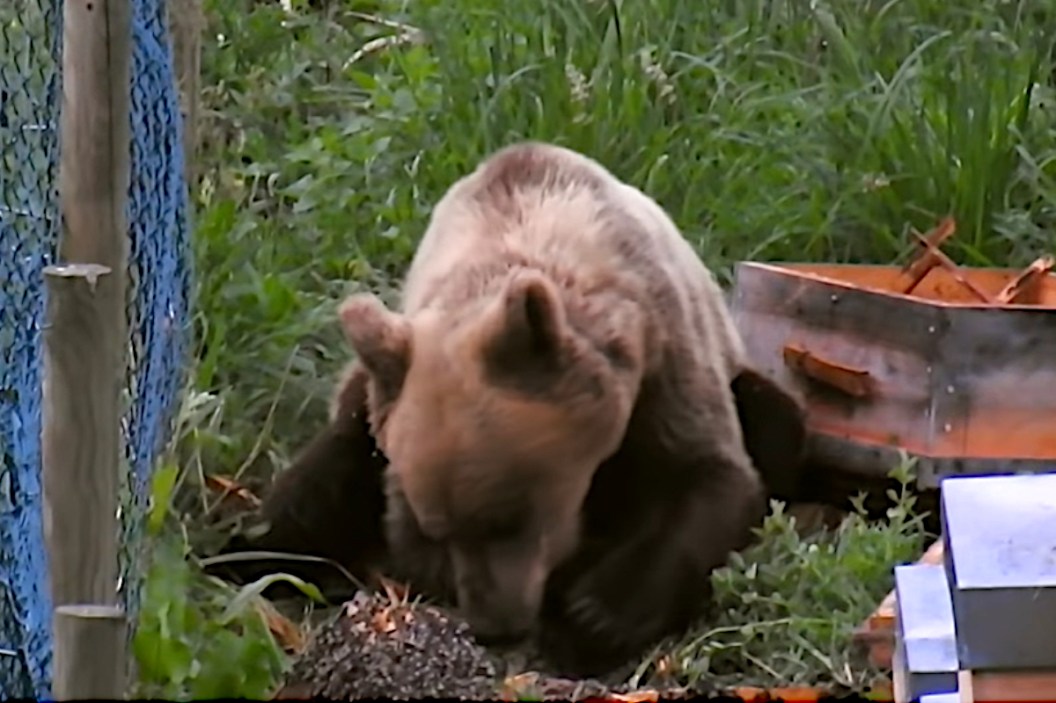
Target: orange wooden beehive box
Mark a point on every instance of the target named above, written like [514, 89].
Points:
[955, 366]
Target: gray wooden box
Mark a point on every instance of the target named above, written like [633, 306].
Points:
[999, 535]
[925, 657]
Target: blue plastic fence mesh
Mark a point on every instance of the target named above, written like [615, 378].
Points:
[158, 288]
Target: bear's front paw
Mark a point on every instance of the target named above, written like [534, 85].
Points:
[605, 617]
[591, 615]
[625, 600]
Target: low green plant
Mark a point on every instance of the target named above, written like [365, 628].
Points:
[198, 637]
[787, 606]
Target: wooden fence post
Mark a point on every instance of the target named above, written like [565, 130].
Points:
[89, 653]
[186, 23]
[81, 441]
[95, 160]
[85, 341]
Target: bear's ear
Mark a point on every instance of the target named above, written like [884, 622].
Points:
[534, 312]
[381, 339]
[529, 324]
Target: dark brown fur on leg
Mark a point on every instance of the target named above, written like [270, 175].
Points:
[328, 503]
[773, 423]
[665, 555]
[655, 527]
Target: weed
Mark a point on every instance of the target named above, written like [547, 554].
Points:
[197, 637]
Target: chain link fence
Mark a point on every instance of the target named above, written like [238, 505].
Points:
[157, 306]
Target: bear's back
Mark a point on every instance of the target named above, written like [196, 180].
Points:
[546, 206]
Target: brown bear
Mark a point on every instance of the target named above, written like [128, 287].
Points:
[571, 437]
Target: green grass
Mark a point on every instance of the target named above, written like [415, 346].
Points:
[769, 129]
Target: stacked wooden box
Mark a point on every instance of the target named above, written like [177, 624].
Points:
[981, 626]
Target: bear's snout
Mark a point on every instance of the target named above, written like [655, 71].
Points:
[499, 589]
[498, 615]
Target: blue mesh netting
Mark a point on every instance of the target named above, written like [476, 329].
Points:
[158, 289]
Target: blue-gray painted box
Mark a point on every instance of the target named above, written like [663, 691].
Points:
[999, 535]
[925, 657]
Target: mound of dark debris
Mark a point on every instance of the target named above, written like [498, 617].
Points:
[387, 648]
[380, 648]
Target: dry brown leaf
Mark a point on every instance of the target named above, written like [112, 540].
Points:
[751, 694]
[289, 636]
[230, 488]
[396, 592]
[516, 686]
[382, 622]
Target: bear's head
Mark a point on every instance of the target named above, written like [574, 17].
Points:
[494, 418]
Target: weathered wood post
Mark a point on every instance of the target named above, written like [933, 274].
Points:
[81, 438]
[89, 658]
[96, 134]
[186, 22]
[85, 340]
[81, 453]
